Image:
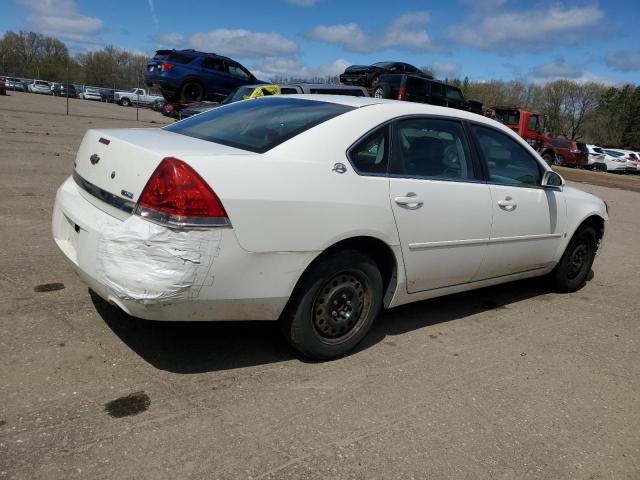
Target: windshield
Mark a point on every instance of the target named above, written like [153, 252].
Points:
[258, 125]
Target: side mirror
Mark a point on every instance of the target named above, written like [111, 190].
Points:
[552, 180]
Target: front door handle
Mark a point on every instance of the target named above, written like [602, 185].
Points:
[410, 201]
[507, 204]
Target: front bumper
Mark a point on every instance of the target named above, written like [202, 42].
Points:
[157, 273]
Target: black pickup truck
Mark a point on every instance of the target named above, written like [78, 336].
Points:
[414, 88]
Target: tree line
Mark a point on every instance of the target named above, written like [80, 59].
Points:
[593, 112]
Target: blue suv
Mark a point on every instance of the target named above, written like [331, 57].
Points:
[191, 76]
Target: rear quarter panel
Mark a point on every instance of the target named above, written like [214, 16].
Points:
[289, 199]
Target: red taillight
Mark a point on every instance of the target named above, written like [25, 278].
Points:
[177, 196]
[166, 67]
[401, 93]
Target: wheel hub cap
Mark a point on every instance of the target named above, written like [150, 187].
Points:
[339, 305]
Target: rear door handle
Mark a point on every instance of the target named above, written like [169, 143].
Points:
[507, 204]
[411, 201]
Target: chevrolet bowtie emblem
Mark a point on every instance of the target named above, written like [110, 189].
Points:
[94, 158]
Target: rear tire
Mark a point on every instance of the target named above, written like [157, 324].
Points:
[192, 91]
[382, 91]
[575, 264]
[334, 305]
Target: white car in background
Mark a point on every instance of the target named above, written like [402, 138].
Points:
[595, 159]
[40, 86]
[615, 161]
[90, 94]
[318, 211]
[631, 159]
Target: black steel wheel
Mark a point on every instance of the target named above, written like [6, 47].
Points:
[340, 306]
[192, 91]
[333, 305]
[575, 264]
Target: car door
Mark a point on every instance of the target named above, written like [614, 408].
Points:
[528, 220]
[237, 75]
[441, 206]
[218, 81]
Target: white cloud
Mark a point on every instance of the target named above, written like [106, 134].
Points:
[558, 69]
[302, 3]
[446, 70]
[531, 30]
[405, 32]
[152, 9]
[486, 5]
[624, 60]
[61, 19]
[173, 39]
[272, 67]
[242, 43]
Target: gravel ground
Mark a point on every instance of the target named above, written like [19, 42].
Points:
[509, 382]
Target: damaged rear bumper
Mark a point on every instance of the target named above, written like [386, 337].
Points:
[158, 273]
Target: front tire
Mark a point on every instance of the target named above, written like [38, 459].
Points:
[125, 102]
[548, 158]
[575, 264]
[334, 305]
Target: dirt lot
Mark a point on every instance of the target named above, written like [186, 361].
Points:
[509, 382]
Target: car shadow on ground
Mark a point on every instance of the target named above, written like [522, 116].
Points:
[197, 347]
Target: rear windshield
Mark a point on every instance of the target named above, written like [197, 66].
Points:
[178, 57]
[597, 149]
[508, 117]
[614, 154]
[258, 125]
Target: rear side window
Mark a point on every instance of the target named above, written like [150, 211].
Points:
[288, 91]
[177, 57]
[509, 162]
[432, 148]
[258, 125]
[214, 64]
[371, 154]
[437, 89]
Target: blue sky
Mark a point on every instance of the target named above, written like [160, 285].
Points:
[535, 41]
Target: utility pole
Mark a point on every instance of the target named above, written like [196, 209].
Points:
[138, 101]
[67, 89]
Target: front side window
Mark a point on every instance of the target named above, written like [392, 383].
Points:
[432, 148]
[532, 124]
[237, 71]
[508, 162]
[454, 93]
[258, 125]
[371, 154]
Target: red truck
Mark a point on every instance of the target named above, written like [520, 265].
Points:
[531, 127]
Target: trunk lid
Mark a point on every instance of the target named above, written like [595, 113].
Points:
[114, 165]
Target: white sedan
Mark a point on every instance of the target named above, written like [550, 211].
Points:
[318, 211]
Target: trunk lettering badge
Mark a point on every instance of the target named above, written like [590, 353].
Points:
[126, 194]
[94, 158]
